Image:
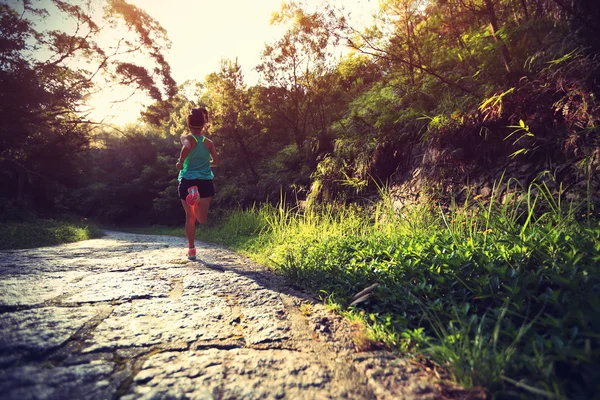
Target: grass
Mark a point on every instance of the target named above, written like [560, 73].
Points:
[235, 230]
[504, 293]
[36, 233]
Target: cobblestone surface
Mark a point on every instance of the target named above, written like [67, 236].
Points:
[127, 316]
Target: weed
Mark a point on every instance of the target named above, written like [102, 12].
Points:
[503, 292]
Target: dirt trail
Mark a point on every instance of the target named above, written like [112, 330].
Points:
[128, 317]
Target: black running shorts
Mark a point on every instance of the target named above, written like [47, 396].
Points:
[205, 187]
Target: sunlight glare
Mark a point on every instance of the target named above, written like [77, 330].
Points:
[204, 32]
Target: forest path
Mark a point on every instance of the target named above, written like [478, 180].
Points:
[127, 316]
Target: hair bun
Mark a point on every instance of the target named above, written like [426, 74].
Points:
[198, 117]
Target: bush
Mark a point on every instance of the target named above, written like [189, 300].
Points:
[506, 295]
[21, 235]
[11, 211]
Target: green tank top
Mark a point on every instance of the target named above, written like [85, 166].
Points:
[197, 163]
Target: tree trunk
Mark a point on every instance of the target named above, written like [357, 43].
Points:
[494, 27]
[525, 11]
[411, 60]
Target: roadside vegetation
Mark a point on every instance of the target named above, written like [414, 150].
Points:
[41, 232]
[504, 293]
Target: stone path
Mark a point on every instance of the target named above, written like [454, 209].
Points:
[128, 317]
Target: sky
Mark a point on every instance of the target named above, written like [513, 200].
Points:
[204, 32]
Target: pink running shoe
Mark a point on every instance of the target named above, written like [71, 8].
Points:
[192, 195]
[191, 254]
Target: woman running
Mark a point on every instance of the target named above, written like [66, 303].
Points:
[196, 188]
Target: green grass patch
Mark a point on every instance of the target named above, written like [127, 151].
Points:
[21, 235]
[235, 229]
[505, 294]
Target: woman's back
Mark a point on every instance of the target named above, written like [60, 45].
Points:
[197, 163]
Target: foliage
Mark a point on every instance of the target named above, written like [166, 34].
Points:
[48, 73]
[36, 233]
[232, 121]
[298, 71]
[452, 76]
[503, 294]
[130, 179]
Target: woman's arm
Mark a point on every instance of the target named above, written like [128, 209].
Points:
[186, 146]
[215, 160]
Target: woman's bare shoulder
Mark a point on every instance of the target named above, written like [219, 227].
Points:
[187, 138]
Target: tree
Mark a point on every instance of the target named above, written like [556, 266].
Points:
[47, 75]
[403, 36]
[293, 65]
[487, 10]
[232, 120]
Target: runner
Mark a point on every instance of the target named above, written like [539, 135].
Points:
[196, 190]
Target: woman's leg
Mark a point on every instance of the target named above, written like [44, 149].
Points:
[190, 223]
[201, 209]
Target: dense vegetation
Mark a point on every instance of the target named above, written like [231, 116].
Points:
[459, 90]
[37, 233]
[503, 295]
[440, 102]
